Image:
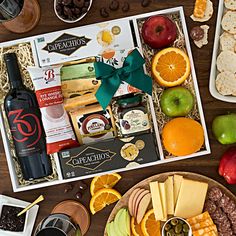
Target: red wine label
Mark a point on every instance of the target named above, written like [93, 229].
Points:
[26, 130]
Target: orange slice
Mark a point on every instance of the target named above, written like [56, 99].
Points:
[103, 198]
[170, 67]
[104, 181]
[149, 225]
[136, 228]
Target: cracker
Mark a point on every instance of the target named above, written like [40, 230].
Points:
[227, 42]
[229, 22]
[207, 14]
[226, 61]
[226, 83]
[204, 40]
[230, 4]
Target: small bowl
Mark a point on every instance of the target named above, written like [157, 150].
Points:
[26, 219]
[178, 218]
[72, 21]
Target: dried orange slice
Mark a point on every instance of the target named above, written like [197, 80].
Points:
[136, 228]
[104, 181]
[170, 67]
[103, 198]
[149, 225]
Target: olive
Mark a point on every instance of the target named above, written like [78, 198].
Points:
[185, 228]
[181, 222]
[178, 228]
[168, 234]
[172, 232]
[167, 227]
[174, 221]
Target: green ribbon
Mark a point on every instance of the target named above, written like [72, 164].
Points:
[132, 73]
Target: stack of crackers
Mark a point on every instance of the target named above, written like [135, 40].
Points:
[226, 61]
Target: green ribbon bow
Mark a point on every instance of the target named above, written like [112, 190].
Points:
[132, 73]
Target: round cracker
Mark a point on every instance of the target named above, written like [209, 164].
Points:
[229, 22]
[207, 15]
[226, 61]
[230, 4]
[226, 83]
[204, 40]
[227, 42]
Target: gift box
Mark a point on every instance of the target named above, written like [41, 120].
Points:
[74, 45]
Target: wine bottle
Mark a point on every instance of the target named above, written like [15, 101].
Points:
[24, 119]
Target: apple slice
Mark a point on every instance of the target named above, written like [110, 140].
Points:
[117, 223]
[135, 199]
[131, 198]
[128, 230]
[143, 206]
[110, 229]
[138, 201]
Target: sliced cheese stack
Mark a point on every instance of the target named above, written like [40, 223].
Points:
[178, 196]
[202, 225]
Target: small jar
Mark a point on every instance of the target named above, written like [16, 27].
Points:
[133, 117]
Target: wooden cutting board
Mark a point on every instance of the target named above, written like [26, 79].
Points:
[123, 202]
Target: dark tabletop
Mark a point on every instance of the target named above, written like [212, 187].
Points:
[206, 165]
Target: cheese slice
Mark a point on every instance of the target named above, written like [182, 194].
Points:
[199, 218]
[156, 200]
[177, 183]
[191, 198]
[204, 231]
[162, 187]
[203, 224]
[170, 195]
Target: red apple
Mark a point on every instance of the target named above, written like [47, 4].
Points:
[159, 32]
[227, 167]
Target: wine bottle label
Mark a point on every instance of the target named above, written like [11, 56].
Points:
[26, 130]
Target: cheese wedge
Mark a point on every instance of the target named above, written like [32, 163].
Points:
[199, 218]
[204, 231]
[177, 183]
[162, 187]
[156, 200]
[191, 198]
[170, 195]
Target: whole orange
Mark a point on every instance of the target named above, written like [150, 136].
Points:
[182, 136]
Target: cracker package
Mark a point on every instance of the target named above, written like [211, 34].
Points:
[78, 80]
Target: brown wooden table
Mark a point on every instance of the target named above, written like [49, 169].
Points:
[206, 165]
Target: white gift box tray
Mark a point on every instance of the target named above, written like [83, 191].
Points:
[132, 39]
[216, 51]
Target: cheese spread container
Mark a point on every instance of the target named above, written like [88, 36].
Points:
[92, 124]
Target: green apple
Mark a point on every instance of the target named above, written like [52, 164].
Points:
[177, 101]
[117, 223]
[224, 128]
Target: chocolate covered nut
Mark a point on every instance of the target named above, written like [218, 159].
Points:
[79, 3]
[197, 33]
[125, 7]
[84, 10]
[66, 2]
[67, 11]
[86, 4]
[145, 3]
[77, 11]
[103, 12]
[114, 5]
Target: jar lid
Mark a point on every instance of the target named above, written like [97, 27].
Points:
[127, 101]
